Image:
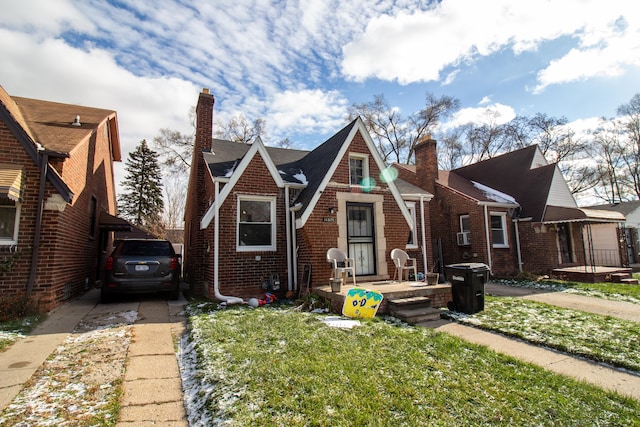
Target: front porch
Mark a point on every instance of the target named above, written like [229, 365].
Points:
[438, 295]
[593, 274]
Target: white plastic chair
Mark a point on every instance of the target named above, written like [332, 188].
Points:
[336, 257]
[403, 263]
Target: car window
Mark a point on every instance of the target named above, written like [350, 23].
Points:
[150, 248]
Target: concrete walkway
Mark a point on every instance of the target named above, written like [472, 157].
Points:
[627, 384]
[152, 387]
[19, 362]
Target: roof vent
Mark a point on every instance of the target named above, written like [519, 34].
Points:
[76, 122]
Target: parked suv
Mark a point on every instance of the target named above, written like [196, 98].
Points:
[142, 266]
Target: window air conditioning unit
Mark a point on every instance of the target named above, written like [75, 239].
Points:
[464, 238]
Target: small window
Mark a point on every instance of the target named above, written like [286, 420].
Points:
[256, 224]
[9, 219]
[412, 241]
[499, 230]
[358, 169]
[465, 223]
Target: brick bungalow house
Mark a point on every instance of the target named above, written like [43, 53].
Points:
[253, 211]
[513, 212]
[57, 197]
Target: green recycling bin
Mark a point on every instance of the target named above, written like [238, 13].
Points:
[467, 286]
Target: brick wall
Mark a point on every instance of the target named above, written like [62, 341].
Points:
[68, 254]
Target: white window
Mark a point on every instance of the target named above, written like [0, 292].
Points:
[412, 241]
[465, 223]
[9, 219]
[256, 224]
[499, 230]
[358, 169]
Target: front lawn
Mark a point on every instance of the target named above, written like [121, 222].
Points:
[601, 338]
[607, 290]
[281, 367]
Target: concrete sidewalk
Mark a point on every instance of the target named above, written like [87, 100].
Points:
[19, 362]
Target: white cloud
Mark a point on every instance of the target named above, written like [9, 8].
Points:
[418, 46]
[493, 114]
[307, 111]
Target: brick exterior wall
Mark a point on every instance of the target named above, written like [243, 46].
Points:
[68, 254]
[242, 273]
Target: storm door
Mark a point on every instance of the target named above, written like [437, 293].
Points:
[360, 237]
[564, 241]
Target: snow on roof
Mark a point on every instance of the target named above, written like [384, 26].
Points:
[493, 194]
[300, 176]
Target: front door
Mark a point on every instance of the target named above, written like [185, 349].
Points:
[360, 237]
[564, 242]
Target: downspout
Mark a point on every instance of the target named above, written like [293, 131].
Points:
[288, 233]
[424, 238]
[216, 235]
[44, 163]
[486, 229]
[516, 221]
[294, 235]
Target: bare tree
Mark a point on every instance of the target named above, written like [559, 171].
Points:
[238, 129]
[629, 117]
[395, 136]
[174, 149]
[174, 196]
[608, 151]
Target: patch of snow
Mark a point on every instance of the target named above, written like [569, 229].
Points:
[338, 322]
[300, 176]
[230, 171]
[493, 194]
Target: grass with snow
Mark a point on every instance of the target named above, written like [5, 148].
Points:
[276, 367]
[600, 338]
[605, 290]
[12, 330]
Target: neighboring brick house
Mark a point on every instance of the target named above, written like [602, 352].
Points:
[57, 197]
[513, 212]
[253, 210]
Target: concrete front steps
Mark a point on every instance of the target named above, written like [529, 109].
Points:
[413, 310]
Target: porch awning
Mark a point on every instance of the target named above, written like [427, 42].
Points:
[109, 222]
[11, 178]
[556, 214]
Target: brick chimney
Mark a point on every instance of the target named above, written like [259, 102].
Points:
[204, 121]
[426, 156]
[197, 199]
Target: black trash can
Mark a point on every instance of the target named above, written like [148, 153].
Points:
[467, 286]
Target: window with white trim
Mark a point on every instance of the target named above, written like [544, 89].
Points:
[256, 230]
[9, 221]
[499, 230]
[465, 223]
[412, 241]
[358, 169]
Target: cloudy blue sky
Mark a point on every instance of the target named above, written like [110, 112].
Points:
[300, 64]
